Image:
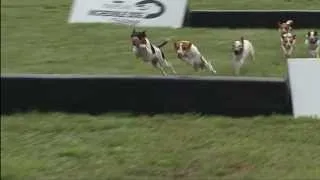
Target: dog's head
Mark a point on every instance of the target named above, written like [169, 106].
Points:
[288, 39]
[138, 37]
[182, 47]
[237, 46]
[312, 36]
[285, 27]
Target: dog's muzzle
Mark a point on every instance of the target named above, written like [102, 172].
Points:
[313, 41]
[180, 55]
[237, 52]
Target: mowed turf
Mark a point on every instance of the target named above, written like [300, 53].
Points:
[62, 146]
[256, 5]
[36, 38]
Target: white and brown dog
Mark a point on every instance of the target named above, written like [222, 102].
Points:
[313, 42]
[148, 52]
[242, 49]
[189, 53]
[288, 41]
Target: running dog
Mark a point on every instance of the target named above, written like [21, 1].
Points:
[313, 43]
[288, 41]
[189, 53]
[242, 50]
[148, 52]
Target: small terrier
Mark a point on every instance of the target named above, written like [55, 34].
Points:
[189, 53]
[313, 42]
[241, 51]
[288, 41]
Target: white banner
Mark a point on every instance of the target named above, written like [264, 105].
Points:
[152, 13]
[304, 78]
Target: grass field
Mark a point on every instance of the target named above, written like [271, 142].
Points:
[36, 38]
[57, 146]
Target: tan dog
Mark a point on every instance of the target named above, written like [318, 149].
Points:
[288, 41]
[313, 42]
[189, 53]
[241, 51]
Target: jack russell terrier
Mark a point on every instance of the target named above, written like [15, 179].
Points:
[241, 51]
[148, 52]
[313, 43]
[288, 41]
[189, 53]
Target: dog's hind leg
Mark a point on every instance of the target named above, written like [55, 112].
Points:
[208, 65]
[252, 54]
[157, 65]
[167, 64]
[236, 67]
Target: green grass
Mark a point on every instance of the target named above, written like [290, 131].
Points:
[256, 4]
[58, 146]
[36, 38]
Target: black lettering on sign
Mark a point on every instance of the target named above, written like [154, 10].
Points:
[135, 15]
[100, 13]
[116, 13]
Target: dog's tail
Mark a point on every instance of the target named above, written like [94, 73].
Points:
[163, 44]
[242, 39]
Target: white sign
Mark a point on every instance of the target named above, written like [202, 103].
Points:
[153, 13]
[304, 78]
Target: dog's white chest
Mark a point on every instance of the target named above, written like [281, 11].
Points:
[313, 46]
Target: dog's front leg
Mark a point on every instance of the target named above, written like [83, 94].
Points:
[236, 66]
[208, 65]
[290, 51]
[285, 53]
[169, 65]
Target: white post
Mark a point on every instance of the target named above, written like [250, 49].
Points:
[304, 79]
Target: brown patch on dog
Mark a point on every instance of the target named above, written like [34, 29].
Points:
[176, 45]
[186, 45]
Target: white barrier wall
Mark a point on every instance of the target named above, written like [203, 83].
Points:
[304, 77]
[153, 13]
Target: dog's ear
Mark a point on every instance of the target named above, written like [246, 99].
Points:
[279, 24]
[294, 36]
[289, 22]
[144, 34]
[175, 45]
[233, 45]
[189, 44]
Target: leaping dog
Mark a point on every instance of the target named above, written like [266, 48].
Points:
[241, 51]
[313, 42]
[148, 52]
[189, 53]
